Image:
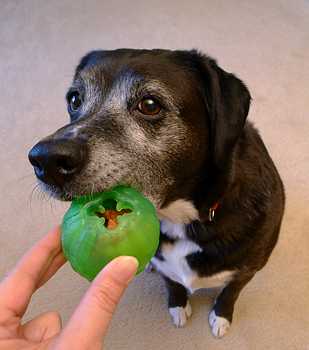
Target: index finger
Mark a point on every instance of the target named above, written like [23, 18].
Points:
[17, 288]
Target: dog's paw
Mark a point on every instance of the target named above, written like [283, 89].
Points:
[149, 268]
[219, 325]
[180, 314]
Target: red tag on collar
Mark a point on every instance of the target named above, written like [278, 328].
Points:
[212, 212]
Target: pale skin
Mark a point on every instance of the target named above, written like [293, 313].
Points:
[88, 324]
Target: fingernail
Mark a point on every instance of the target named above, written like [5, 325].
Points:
[127, 267]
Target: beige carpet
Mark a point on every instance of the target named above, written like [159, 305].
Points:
[267, 44]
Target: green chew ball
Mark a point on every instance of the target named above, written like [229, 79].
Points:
[98, 228]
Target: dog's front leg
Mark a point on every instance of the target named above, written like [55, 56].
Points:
[221, 315]
[178, 304]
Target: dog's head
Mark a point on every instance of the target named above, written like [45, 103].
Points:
[158, 120]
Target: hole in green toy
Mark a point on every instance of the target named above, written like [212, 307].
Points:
[109, 204]
[111, 213]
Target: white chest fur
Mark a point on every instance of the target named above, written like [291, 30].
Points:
[175, 266]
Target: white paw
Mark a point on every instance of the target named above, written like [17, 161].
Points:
[149, 268]
[219, 325]
[180, 314]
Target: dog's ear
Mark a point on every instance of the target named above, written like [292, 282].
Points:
[227, 102]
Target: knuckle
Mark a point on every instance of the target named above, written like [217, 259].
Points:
[106, 298]
[54, 317]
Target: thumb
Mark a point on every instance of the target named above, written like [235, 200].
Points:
[90, 320]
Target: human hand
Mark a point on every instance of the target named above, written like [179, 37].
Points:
[88, 325]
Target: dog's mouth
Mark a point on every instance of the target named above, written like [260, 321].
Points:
[55, 192]
[68, 193]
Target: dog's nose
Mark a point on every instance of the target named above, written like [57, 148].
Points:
[56, 162]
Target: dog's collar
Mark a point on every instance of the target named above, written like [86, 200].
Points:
[212, 212]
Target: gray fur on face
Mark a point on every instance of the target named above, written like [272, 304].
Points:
[124, 147]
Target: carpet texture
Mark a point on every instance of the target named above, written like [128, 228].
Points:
[266, 43]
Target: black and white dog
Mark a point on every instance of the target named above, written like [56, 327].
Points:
[173, 125]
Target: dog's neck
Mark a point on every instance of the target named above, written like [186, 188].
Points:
[180, 211]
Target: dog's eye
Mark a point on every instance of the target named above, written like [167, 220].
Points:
[149, 106]
[75, 101]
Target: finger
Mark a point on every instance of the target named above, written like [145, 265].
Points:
[90, 320]
[14, 344]
[17, 289]
[42, 327]
[56, 264]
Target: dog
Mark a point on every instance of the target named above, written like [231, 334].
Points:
[173, 124]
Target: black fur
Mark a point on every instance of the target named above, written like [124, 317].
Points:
[177, 296]
[217, 156]
[241, 177]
